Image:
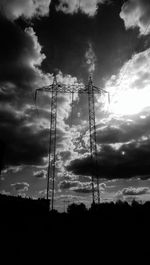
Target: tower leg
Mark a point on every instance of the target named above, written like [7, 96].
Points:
[52, 146]
[93, 147]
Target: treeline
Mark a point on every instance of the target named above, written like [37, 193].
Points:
[98, 235]
[19, 205]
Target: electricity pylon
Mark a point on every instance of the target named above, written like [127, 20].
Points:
[91, 91]
[54, 89]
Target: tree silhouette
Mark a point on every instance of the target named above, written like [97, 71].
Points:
[2, 155]
[76, 209]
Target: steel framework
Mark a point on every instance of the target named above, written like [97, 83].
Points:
[54, 89]
[93, 146]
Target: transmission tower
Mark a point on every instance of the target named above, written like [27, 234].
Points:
[92, 131]
[54, 89]
[92, 90]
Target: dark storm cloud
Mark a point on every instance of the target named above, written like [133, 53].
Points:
[67, 184]
[20, 73]
[20, 56]
[128, 161]
[84, 190]
[66, 155]
[24, 143]
[20, 51]
[124, 130]
[25, 135]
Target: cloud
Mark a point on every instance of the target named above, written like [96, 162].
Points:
[20, 61]
[43, 193]
[42, 174]
[66, 155]
[130, 160]
[68, 197]
[130, 85]
[4, 192]
[90, 59]
[88, 7]
[22, 144]
[12, 170]
[136, 13]
[27, 144]
[67, 184]
[102, 186]
[131, 191]
[125, 130]
[86, 187]
[76, 186]
[13, 9]
[24, 134]
[80, 187]
[25, 139]
[20, 186]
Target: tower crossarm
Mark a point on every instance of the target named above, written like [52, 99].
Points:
[62, 88]
[75, 88]
[98, 90]
[42, 89]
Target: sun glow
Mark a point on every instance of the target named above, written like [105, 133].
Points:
[129, 102]
[130, 89]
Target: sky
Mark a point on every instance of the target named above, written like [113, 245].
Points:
[111, 39]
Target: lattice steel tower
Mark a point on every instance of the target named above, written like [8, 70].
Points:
[54, 89]
[92, 131]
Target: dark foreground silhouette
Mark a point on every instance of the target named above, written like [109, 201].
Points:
[104, 234]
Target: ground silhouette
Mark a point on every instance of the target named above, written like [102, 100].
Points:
[103, 234]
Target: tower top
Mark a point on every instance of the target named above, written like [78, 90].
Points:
[90, 81]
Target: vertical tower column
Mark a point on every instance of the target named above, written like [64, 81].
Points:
[93, 147]
[52, 143]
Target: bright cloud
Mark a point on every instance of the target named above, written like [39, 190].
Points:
[136, 13]
[88, 7]
[14, 9]
[129, 90]
[20, 186]
[41, 174]
[90, 58]
[132, 191]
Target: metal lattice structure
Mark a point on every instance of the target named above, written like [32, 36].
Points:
[92, 131]
[54, 89]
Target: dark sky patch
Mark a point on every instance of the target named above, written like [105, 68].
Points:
[65, 39]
